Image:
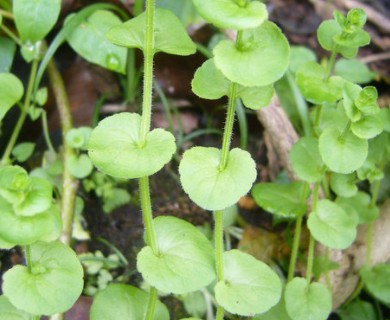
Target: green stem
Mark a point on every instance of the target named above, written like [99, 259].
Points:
[220, 313]
[27, 252]
[310, 260]
[151, 304]
[69, 183]
[345, 131]
[330, 64]
[6, 14]
[228, 130]
[219, 249]
[10, 34]
[22, 117]
[295, 247]
[131, 75]
[243, 124]
[147, 214]
[318, 117]
[46, 132]
[148, 73]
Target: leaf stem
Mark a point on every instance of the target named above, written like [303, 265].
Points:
[318, 118]
[295, 247]
[220, 313]
[22, 117]
[330, 64]
[69, 183]
[6, 14]
[151, 304]
[148, 73]
[228, 130]
[310, 260]
[345, 131]
[219, 249]
[46, 132]
[9, 33]
[147, 214]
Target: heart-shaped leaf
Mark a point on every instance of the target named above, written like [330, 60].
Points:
[312, 82]
[91, 34]
[342, 153]
[256, 97]
[23, 151]
[24, 230]
[120, 301]
[376, 280]
[354, 70]
[34, 19]
[331, 225]
[368, 127]
[249, 285]
[232, 14]
[350, 93]
[344, 185]
[185, 262]
[358, 309]
[307, 301]
[9, 312]
[244, 63]
[114, 147]
[80, 166]
[361, 203]
[211, 187]
[169, 34]
[11, 91]
[38, 199]
[51, 285]
[306, 159]
[286, 200]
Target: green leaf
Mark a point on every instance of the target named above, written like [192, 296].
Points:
[232, 14]
[385, 115]
[78, 137]
[80, 166]
[342, 153]
[211, 187]
[244, 64]
[357, 18]
[184, 10]
[354, 70]
[209, 82]
[185, 261]
[24, 230]
[368, 127]
[34, 19]
[23, 151]
[278, 312]
[11, 91]
[350, 93]
[361, 203]
[300, 55]
[249, 285]
[89, 41]
[114, 147]
[195, 303]
[169, 34]
[120, 301]
[53, 284]
[14, 183]
[312, 82]
[307, 301]
[306, 160]
[376, 280]
[255, 97]
[9, 312]
[41, 96]
[38, 199]
[7, 54]
[359, 38]
[366, 101]
[331, 225]
[118, 197]
[357, 310]
[286, 200]
[344, 185]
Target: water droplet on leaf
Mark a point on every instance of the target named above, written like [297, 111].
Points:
[113, 62]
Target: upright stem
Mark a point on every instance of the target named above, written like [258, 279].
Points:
[69, 183]
[151, 304]
[18, 127]
[218, 240]
[330, 64]
[147, 214]
[27, 252]
[148, 73]
[227, 133]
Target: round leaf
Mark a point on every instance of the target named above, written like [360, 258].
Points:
[34, 19]
[300, 55]
[256, 97]
[343, 185]
[286, 200]
[232, 14]
[311, 81]
[377, 281]
[331, 225]
[306, 160]
[53, 284]
[9, 312]
[11, 91]
[368, 127]
[342, 154]
[78, 137]
[260, 60]
[185, 261]
[209, 186]
[114, 147]
[23, 151]
[209, 82]
[89, 40]
[120, 301]
[249, 285]
[307, 301]
[80, 167]
[354, 70]
[169, 34]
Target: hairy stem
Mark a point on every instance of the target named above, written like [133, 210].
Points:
[151, 304]
[219, 249]
[69, 183]
[22, 117]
